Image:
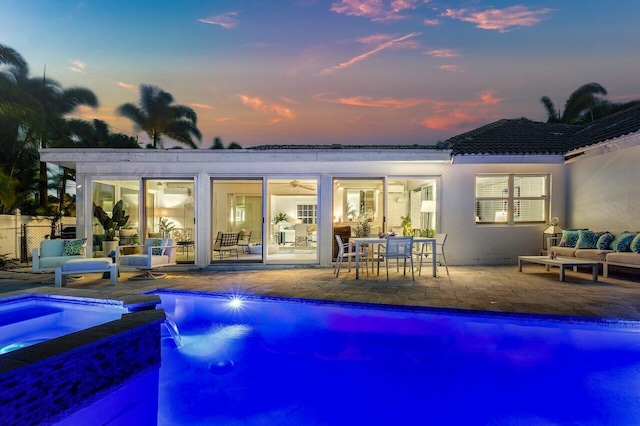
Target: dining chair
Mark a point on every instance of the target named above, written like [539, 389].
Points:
[440, 256]
[343, 252]
[399, 248]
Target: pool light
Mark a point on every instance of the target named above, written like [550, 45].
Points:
[235, 302]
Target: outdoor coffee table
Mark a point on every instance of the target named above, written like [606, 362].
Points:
[562, 262]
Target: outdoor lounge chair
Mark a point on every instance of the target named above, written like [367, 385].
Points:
[156, 253]
[51, 253]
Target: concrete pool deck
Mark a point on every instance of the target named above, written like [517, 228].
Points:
[485, 288]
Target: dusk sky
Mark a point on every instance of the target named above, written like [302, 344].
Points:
[347, 71]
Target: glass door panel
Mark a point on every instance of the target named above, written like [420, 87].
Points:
[237, 210]
[169, 213]
[106, 196]
[292, 218]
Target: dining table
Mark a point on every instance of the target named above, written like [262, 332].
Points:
[357, 242]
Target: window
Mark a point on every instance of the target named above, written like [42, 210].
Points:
[307, 213]
[511, 198]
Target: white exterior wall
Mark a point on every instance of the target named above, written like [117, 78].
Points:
[603, 191]
[467, 243]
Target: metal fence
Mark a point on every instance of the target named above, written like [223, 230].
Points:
[18, 243]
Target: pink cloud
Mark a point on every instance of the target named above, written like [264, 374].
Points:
[202, 106]
[453, 120]
[127, 86]
[365, 101]
[499, 19]
[442, 53]
[78, 66]
[376, 10]
[282, 112]
[382, 46]
[451, 115]
[431, 22]
[452, 68]
[225, 20]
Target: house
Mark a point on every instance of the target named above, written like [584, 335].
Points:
[493, 190]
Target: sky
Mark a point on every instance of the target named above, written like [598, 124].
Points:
[389, 72]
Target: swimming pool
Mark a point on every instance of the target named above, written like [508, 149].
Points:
[276, 361]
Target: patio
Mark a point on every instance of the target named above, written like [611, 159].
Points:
[486, 288]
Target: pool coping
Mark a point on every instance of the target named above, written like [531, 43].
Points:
[479, 314]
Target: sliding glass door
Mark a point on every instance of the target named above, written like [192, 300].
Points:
[237, 216]
[169, 213]
[292, 221]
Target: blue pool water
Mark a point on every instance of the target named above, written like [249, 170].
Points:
[287, 362]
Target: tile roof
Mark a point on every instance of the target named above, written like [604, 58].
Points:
[609, 127]
[523, 136]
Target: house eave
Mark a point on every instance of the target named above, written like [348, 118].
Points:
[67, 157]
[508, 159]
[604, 147]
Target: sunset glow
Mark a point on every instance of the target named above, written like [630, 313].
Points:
[331, 71]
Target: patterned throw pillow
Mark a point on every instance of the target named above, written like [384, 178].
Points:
[622, 242]
[74, 247]
[157, 251]
[588, 239]
[569, 238]
[604, 242]
[635, 244]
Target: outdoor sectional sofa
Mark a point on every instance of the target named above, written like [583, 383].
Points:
[603, 247]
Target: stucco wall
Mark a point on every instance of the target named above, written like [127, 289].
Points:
[486, 244]
[467, 243]
[603, 191]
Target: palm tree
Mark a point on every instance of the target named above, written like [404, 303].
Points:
[580, 103]
[584, 106]
[157, 117]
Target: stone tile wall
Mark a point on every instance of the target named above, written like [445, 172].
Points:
[53, 379]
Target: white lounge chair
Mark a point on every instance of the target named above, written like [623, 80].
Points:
[156, 253]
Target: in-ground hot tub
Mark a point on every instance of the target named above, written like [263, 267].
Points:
[32, 319]
[62, 355]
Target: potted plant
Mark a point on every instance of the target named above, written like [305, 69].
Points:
[428, 233]
[166, 226]
[111, 225]
[406, 226]
[363, 228]
[280, 217]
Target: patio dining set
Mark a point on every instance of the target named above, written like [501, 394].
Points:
[376, 250]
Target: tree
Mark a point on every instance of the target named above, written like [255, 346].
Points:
[32, 112]
[95, 134]
[157, 117]
[584, 106]
[217, 144]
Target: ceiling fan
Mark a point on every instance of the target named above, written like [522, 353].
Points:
[298, 184]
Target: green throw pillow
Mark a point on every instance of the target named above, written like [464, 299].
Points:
[622, 242]
[74, 247]
[588, 239]
[635, 244]
[157, 251]
[569, 238]
[604, 242]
